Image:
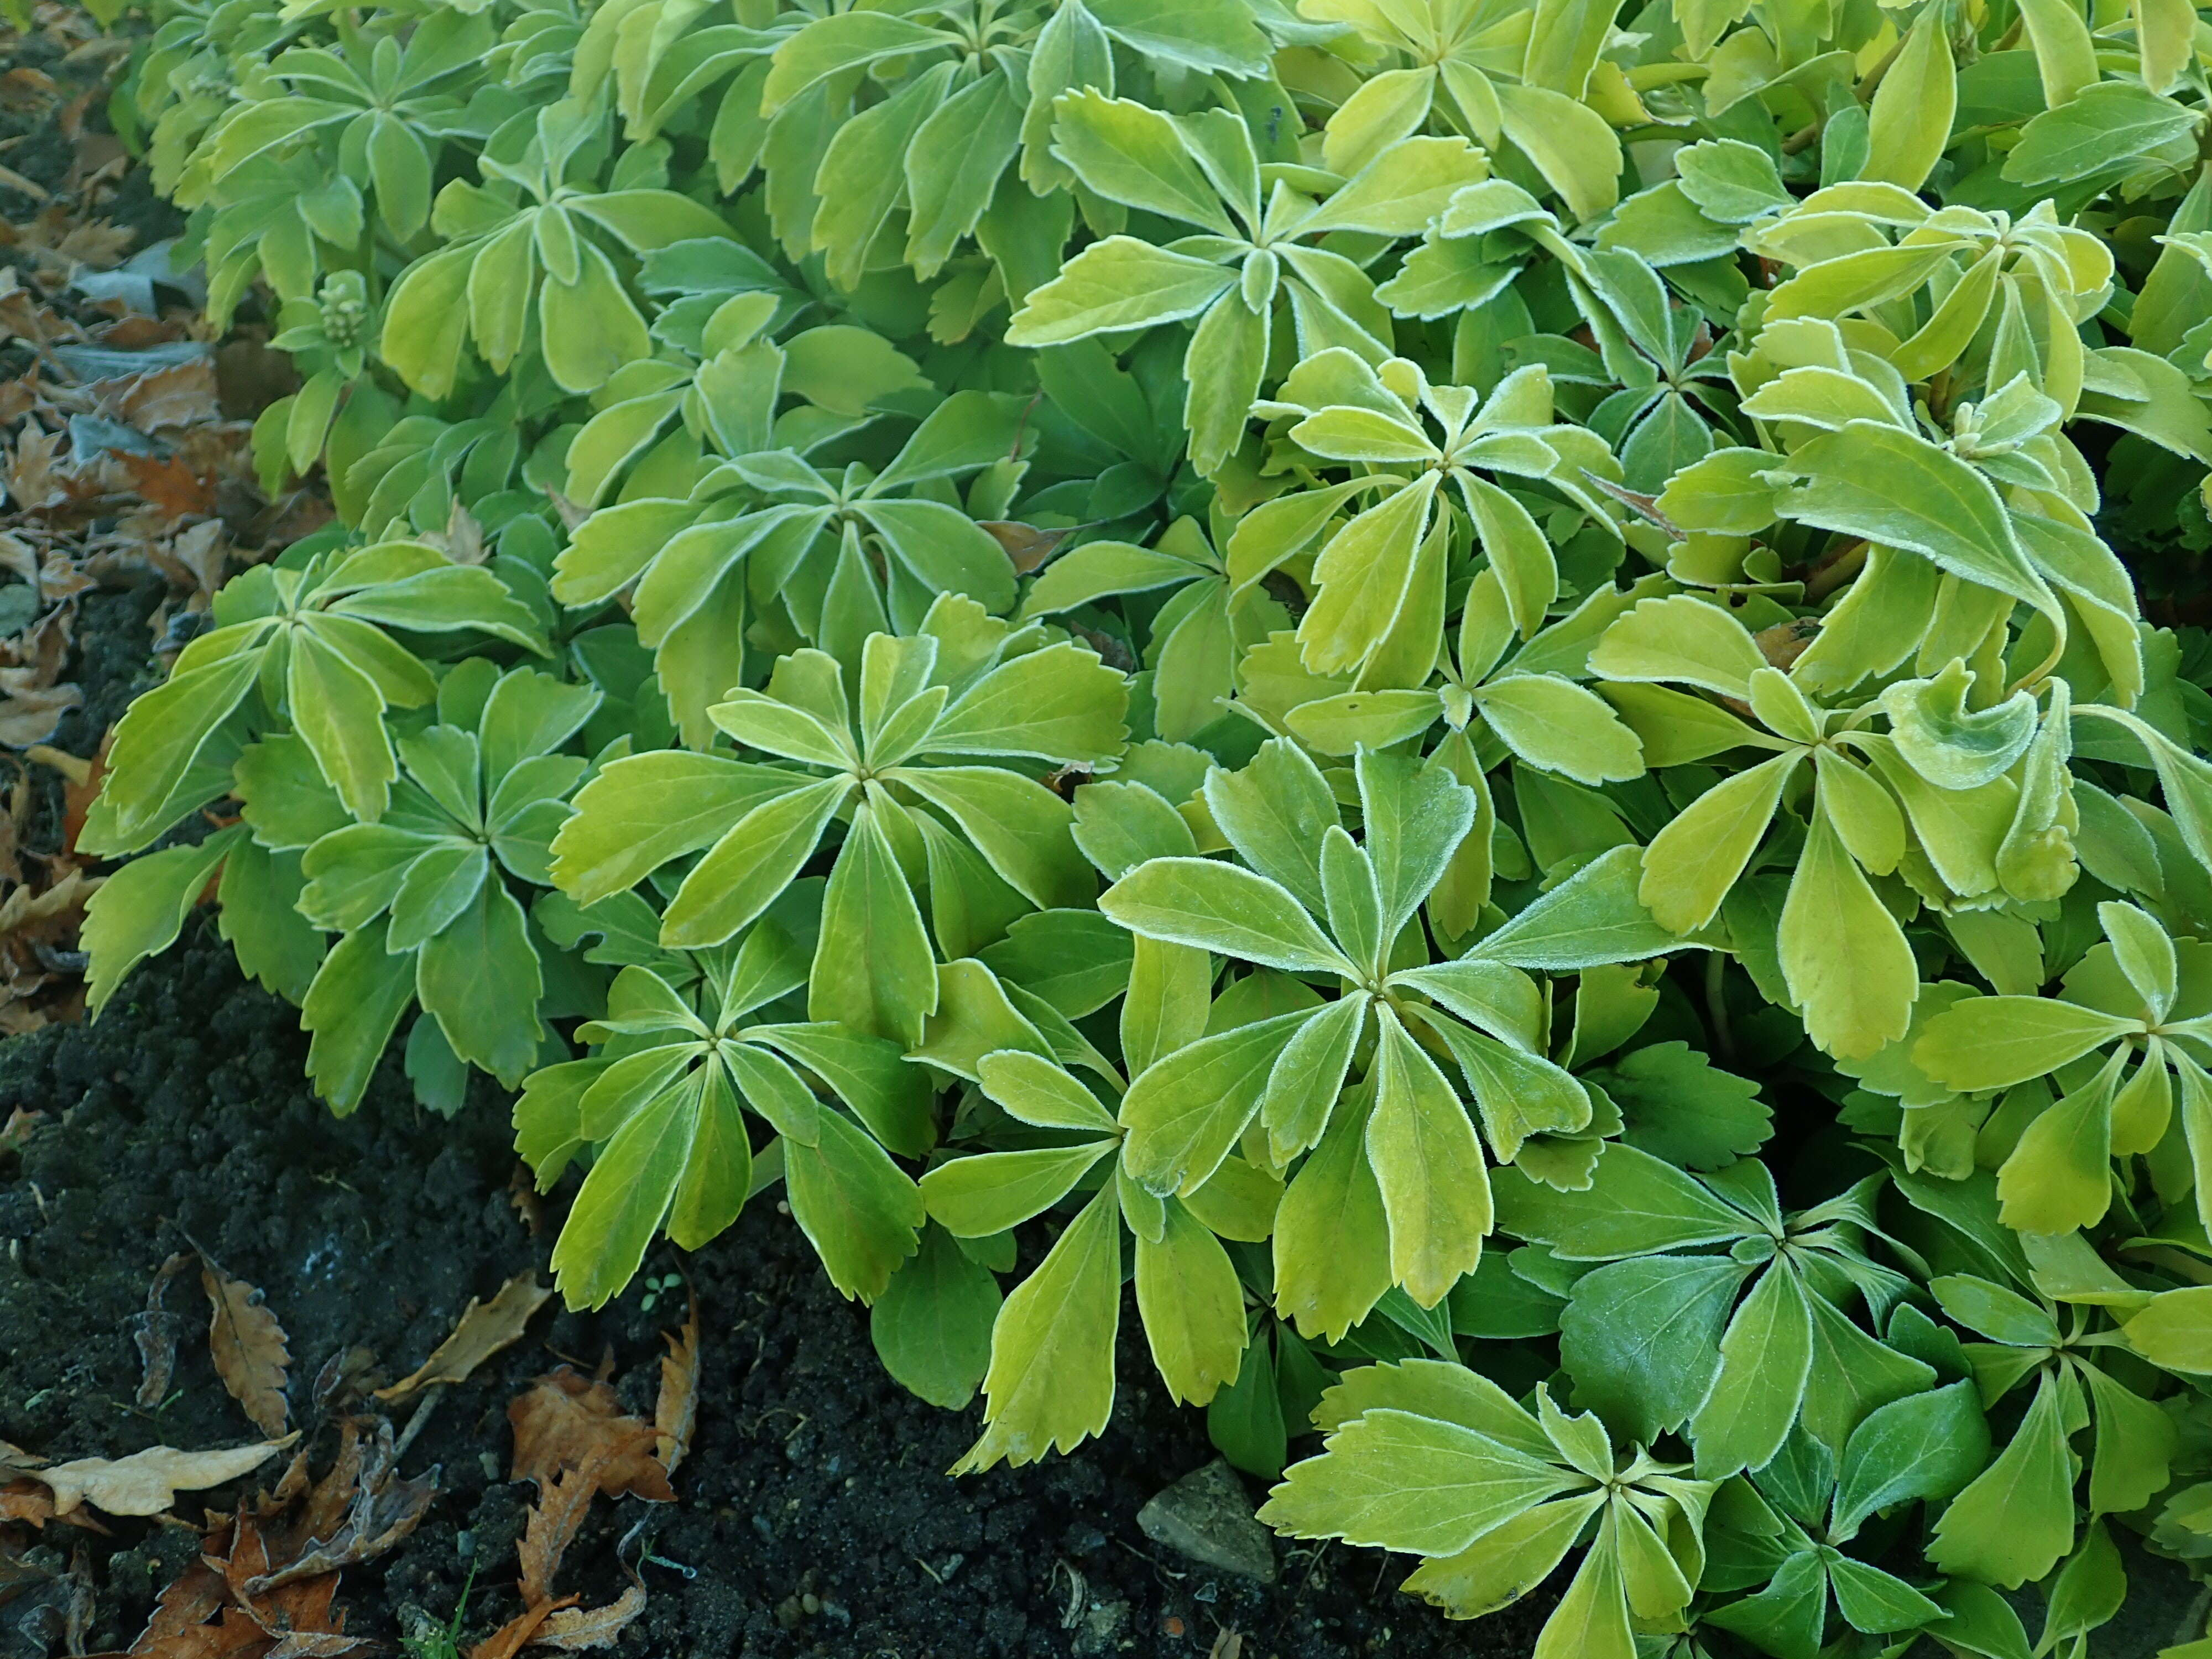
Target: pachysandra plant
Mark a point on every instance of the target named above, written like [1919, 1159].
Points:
[1502, 694]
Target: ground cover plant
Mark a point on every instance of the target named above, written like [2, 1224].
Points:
[1461, 686]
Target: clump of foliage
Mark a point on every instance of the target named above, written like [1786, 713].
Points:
[1454, 681]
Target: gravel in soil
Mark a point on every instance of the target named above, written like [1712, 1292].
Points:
[814, 1517]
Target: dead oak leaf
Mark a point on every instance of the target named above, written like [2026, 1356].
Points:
[552, 1524]
[676, 1413]
[578, 1629]
[169, 484]
[563, 1418]
[148, 1482]
[33, 713]
[510, 1639]
[483, 1329]
[251, 1354]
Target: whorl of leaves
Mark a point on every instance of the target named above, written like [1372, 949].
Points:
[1444, 676]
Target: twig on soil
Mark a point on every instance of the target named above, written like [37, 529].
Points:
[431, 1396]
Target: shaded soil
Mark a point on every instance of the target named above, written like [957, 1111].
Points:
[814, 1516]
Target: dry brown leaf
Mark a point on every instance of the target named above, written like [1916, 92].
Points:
[167, 482]
[1027, 547]
[249, 1351]
[16, 181]
[510, 1639]
[31, 714]
[318, 1644]
[676, 1413]
[27, 1502]
[483, 1329]
[562, 1419]
[181, 395]
[551, 1527]
[576, 1630]
[81, 782]
[383, 1509]
[148, 1482]
[155, 1332]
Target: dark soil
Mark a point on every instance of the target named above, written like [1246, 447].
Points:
[814, 1481]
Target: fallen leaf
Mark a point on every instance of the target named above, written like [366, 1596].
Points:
[317, 1644]
[575, 1629]
[27, 1502]
[182, 394]
[562, 1419]
[384, 1514]
[1027, 547]
[510, 1639]
[522, 1193]
[170, 484]
[484, 1329]
[551, 1526]
[249, 1351]
[16, 1134]
[155, 1332]
[148, 1482]
[32, 714]
[81, 782]
[676, 1413]
[11, 179]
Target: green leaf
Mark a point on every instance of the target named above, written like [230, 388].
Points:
[1634, 1205]
[2016, 1519]
[352, 1008]
[1222, 908]
[1561, 726]
[339, 713]
[1021, 827]
[1679, 1106]
[1766, 1354]
[1051, 1380]
[1392, 1480]
[1692, 864]
[1206, 35]
[759, 856]
[859, 1209]
[1925, 1446]
[1165, 1007]
[1845, 957]
[931, 1325]
[1136, 156]
[480, 977]
[977, 1197]
[139, 910]
[1908, 122]
[1058, 704]
[1115, 285]
[1592, 917]
[2104, 127]
[624, 1197]
[1185, 1111]
[2173, 1329]
[1429, 1166]
[1274, 811]
[1192, 1308]
[1641, 1339]
[1879, 482]
[873, 969]
[1331, 1253]
[1993, 1043]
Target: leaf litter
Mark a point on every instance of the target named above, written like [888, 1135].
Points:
[125, 462]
